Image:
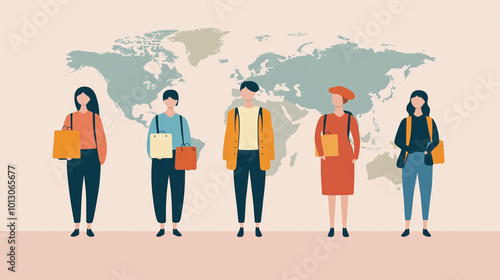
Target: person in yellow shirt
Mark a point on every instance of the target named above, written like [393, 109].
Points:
[248, 150]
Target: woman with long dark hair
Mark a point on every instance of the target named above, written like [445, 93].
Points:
[414, 140]
[87, 121]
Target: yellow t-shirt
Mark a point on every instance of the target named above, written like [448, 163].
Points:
[248, 128]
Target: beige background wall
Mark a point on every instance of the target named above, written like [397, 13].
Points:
[37, 89]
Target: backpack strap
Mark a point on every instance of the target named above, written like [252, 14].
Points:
[261, 119]
[408, 130]
[429, 125]
[71, 120]
[324, 123]
[182, 130]
[157, 127]
[93, 126]
[408, 133]
[236, 115]
[348, 123]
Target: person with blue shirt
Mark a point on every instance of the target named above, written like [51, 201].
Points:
[164, 168]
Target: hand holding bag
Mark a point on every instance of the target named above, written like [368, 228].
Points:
[160, 143]
[330, 142]
[66, 142]
[185, 155]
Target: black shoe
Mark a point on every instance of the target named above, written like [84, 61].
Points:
[331, 233]
[176, 232]
[344, 232]
[161, 232]
[426, 233]
[257, 232]
[76, 232]
[90, 233]
[405, 233]
[240, 232]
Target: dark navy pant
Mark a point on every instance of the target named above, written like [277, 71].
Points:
[87, 168]
[248, 163]
[161, 171]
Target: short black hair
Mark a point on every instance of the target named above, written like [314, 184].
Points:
[171, 93]
[252, 86]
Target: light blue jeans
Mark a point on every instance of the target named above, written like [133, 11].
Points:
[414, 167]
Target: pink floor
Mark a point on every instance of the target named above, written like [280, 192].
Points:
[277, 255]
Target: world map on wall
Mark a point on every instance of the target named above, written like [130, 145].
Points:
[138, 68]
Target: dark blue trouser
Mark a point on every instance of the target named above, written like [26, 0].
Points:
[161, 171]
[87, 168]
[248, 163]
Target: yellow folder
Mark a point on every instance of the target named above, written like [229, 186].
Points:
[160, 145]
[330, 143]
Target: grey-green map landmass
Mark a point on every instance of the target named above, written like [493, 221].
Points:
[128, 83]
[301, 80]
[384, 166]
[200, 43]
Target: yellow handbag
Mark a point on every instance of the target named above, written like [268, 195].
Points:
[66, 143]
[438, 151]
[329, 142]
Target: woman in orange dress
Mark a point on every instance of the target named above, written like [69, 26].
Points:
[337, 172]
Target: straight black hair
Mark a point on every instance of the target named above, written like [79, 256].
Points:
[252, 86]
[426, 110]
[93, 105]
[171, 93]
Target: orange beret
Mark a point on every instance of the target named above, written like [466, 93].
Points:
[344, 92]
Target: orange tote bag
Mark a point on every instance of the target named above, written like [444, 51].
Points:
[185, 156]
[66, 143]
